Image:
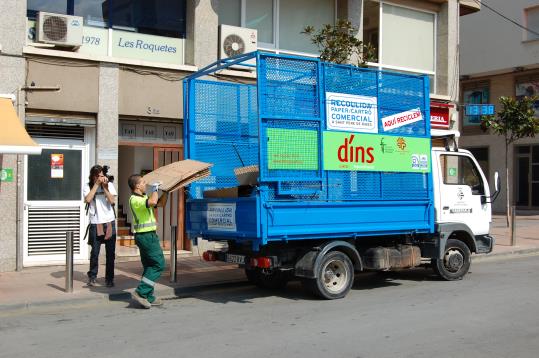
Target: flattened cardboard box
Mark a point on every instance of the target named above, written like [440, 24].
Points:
[178, 174]
[247, 175]
[231, 192]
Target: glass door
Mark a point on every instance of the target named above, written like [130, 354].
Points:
[54, 204]
[527, 177]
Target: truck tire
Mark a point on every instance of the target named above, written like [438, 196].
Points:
[252, 276]
[456, 261]
[335, 276]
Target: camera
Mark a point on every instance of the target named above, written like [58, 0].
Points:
[106, 173]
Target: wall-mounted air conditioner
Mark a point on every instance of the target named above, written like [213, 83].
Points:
[235, 41]
[59, 30]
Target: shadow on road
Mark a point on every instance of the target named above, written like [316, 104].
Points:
[244, 292]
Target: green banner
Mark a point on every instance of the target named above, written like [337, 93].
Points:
[374, 152]
[6, 175]
[294, 149]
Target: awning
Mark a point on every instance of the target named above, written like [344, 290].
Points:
[13, 137]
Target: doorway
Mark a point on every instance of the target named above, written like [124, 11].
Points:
[141, 158]
[527, 176]
[53, 202]
[173, 214]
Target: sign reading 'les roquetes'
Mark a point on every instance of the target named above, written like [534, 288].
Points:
[372, 152]
[351, 112]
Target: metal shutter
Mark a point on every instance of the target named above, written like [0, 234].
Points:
[47, 229]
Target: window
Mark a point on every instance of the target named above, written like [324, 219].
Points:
[529, 88]
[461, 170]
[481, 155]
[295, 15]
[259, 15]
[92, 11]
[230, 12]
[279, 23]
[474, 94]
[55, 6]
[155, 17]
[531, 21]
[403, 38]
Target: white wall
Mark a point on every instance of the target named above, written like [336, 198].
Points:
[489, 42]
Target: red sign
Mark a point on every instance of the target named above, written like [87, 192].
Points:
[57, 166]
[439, 117]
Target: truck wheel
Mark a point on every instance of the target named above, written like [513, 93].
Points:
[252, 276]
[456, 261]
[335, 277]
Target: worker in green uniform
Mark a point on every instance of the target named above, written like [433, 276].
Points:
[145, 226]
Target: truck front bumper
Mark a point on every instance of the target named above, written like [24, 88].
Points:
[484, 243]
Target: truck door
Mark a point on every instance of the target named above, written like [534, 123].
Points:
[463, 192]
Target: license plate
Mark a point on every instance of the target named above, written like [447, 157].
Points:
[235, 259]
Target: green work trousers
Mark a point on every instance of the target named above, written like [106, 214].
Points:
[153, 262]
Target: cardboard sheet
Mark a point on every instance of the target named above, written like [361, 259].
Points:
[178, 174]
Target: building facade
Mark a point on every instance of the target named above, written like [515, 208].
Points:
[502, 60]
[116, 99]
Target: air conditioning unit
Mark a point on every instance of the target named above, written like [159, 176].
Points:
[235, 41]
[59, 30]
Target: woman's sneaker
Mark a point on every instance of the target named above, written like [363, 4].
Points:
[91, 281]
[141, 300]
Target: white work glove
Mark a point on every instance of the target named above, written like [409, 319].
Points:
[154, 186]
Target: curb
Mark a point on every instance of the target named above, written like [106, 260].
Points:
[125, 295]
[513, 252]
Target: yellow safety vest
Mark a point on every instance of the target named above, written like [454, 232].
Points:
[143, 216]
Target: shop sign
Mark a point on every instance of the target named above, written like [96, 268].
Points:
[293, 149]
[169, 133]
[351, 112]
[125, 44]
[6, 175]
[402, 119]
[146, 47]
[375, 152]
[57, 166]
[439, 117]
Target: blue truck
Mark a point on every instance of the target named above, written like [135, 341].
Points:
[322, 171]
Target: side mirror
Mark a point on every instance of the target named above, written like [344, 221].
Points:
[496, 189]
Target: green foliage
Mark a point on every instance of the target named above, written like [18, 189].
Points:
[516, 119]
[338, 44]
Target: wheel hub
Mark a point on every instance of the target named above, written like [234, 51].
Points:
[335, 276]
[453, 260]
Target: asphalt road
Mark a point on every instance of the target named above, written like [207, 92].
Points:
[493, 312]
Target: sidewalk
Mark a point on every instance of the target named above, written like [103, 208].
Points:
[39, 286]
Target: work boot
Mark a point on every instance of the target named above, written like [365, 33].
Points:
[141, 300]
[91, 281]
[157, 302]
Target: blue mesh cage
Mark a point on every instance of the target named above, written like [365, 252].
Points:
[227, 124]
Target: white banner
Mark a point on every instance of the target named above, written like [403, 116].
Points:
[402, 119]
[221, 217]
[350, 112]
